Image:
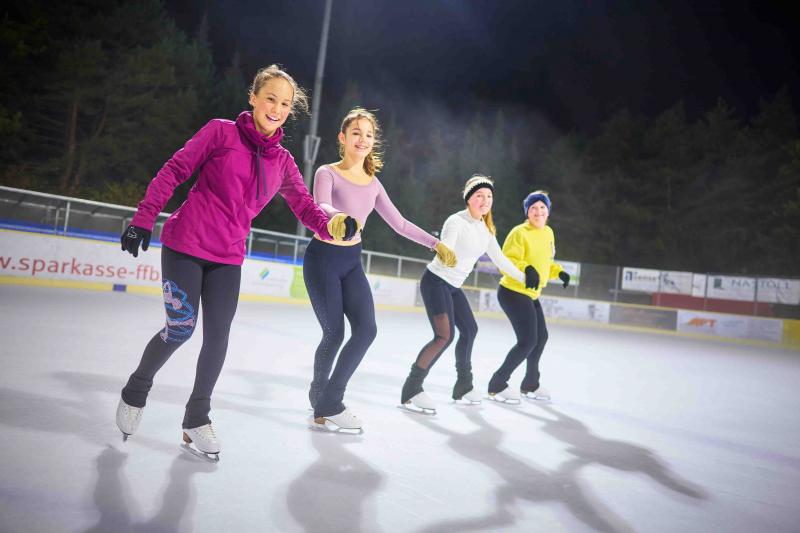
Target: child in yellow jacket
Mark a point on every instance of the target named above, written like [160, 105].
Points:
[531, 247]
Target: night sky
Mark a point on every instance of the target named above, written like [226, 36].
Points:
[573, 63]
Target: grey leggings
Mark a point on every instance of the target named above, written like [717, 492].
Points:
[186, 282]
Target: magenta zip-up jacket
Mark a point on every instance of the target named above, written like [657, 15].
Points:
[240, 172]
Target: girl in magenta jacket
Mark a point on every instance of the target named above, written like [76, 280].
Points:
[242, 165]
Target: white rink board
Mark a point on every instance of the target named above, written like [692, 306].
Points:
[566, 308]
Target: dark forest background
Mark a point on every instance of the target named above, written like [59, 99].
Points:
[96, 96]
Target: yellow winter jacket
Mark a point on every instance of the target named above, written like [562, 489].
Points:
[526, 245]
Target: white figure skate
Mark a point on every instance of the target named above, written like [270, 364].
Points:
[508, 396]
[540, 395]
[344, 422]
[128, 418]
[470, 398]
[421, 403]
[206, 445]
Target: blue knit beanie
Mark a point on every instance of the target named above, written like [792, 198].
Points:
[534, 197]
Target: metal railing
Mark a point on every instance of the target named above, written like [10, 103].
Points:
[63, 215]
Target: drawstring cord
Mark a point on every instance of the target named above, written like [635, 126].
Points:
[259, 173]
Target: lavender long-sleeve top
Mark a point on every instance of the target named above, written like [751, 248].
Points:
[336, 194]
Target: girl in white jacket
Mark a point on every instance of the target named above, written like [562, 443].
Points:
[470, 234]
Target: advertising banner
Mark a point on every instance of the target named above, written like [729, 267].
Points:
[574, 309]
[266, 278]
[39, 256]
[779, 291]
[566, 308]
[487, 301]
[731, 288]
[730, 326]
[640, 279]
[674, 282]
[574, 271]
[392, 291]
[699, 285]
[643, 317]
[654, 281]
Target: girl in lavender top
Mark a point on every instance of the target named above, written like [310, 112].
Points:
[241, 165]
[334, 277]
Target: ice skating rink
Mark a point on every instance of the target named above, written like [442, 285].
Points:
[645, 432]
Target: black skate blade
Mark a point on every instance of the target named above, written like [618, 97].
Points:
[411, 408]
[210, 457]
[125, 437]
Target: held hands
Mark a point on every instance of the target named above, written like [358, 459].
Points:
[343, 227]
[531, 278]
[445, 255]
[563, 276]
[132, 237]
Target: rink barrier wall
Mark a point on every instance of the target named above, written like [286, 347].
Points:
[55, 261]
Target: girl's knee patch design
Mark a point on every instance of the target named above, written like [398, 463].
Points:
[181, 316]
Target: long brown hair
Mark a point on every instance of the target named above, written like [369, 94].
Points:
[474, 180]
[373, 163]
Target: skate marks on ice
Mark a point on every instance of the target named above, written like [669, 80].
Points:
[86, 413]
[118, 508]
[520, 482]
[334, 492]
[590, 449]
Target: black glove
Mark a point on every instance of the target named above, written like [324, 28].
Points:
[563, 276]
[350, 228]
[531, 278]
[131, 238]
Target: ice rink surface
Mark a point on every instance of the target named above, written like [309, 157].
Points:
[645, 432]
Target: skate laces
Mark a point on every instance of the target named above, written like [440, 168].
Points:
[130, 411]
[349, 417]
[207, 433]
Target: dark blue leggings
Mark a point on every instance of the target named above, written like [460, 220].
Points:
[446, 305]
[186, 282]
[527, 319]
[337, 287]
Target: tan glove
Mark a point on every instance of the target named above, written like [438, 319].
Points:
[445, 255]
[343, 227]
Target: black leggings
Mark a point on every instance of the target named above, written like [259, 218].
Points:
[337, 287]
[186, 282]
[527, 319]
[446, 305]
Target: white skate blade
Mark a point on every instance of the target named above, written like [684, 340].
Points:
[503, 400]
[466, 401]
[210, 457]
[533, 397]
[330, 427]
[415, 409]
